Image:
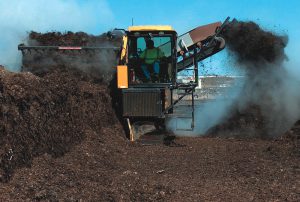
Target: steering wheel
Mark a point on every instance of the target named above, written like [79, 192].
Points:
[139, 51]
[136, 55]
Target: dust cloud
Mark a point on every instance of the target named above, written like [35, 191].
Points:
[269, 85]
[268, 102]
[19, 17]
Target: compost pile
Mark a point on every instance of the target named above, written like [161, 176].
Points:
[69, 39]
[246, 123]
[294, 132]
[254, 46]
[48, 114]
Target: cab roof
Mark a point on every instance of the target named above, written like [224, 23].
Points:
[151, 28]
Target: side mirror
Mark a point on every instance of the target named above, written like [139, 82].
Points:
[116, 33]
[110, 35]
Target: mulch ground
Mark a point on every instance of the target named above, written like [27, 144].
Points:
[61, 140]
[201, 169]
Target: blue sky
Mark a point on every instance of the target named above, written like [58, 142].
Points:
[280, 16]
[17, 17]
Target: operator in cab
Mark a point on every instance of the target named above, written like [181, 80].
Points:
[151, 61]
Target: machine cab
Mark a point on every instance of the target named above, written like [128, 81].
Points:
[148, 56]
[149, 62]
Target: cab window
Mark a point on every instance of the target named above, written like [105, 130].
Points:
[150, 59]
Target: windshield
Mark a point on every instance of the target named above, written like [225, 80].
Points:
[163, 43]
[150, 59]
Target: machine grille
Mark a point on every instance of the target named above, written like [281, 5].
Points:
[142, 103]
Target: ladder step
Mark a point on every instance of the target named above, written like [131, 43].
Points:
[175, 115]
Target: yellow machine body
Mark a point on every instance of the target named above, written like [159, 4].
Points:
[151, 28]
[122, 76]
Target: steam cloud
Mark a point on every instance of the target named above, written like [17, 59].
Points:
[96, 63]
[269, 85]
[18, 17]
[270, 92]
[268, 102]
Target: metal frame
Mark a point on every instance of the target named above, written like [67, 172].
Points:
[193, 59]
[25, 48]
[189, 90]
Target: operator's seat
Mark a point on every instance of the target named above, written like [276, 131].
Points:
[165, 70]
